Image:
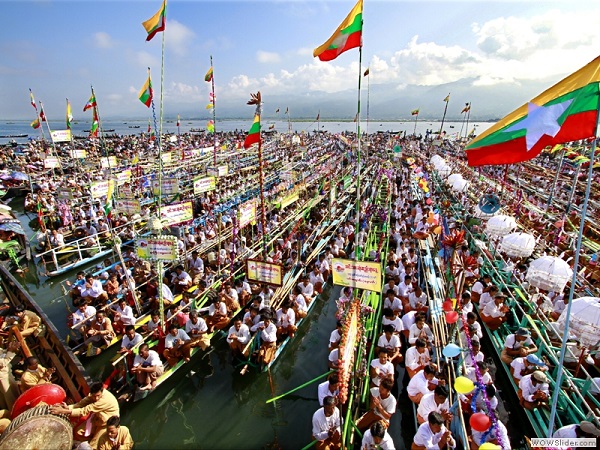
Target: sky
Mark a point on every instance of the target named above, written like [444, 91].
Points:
[500, 54]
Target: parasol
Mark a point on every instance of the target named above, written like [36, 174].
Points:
[460, 185]
[19, 176]
[584, 320]
[454, 177]
[518, 244]
[500, 225]
[549, 273]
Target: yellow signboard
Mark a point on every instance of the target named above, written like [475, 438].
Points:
[289, 200]
[264, 272]
[204, 185]
[357, 274]
[162, 248]
[176, 213]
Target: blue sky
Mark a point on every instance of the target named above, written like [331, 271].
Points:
[59, 48]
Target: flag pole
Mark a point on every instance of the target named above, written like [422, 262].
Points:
[37, 114]
[368, 95]
[54, 152]
[560, 164]
[563, 348]
[416, 118]
[468, 116]
[357, 253]
[446, 100]
[214, 114]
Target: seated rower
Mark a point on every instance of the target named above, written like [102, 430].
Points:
[122, 316]
[493, 435]
[307, 289]
[390, 342]
[518, 344]
[101, 332]
[116, 436]
[477, 353]
[130, 340]
[316, 279]
[336, 336]
[152, 327]
[381, 368]
[112, 286]
[392, 302]
[494, 313]
[286, 321]
[422, 383]
[82, 317]
[181, 280]
[195, 267]
[526, 365]
[436, 401]
[243, 290]
[330, 387]
[433, 434]
[28, 322]
[77, 287]
[377, 437]
[383, 406]
[35, 374]
[420, 330]
[147, 367]
[417, 357]
[417, 300]
[300, 303]
[238, 338]
[176, 346]
[391, 318]
[251, 317]
[268, 338]
[326, 426]
[217, 318]
[230, 297]
[94, 291]
[534, 390]
[197, 330]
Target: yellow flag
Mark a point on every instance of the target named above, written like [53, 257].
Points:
[209, 106]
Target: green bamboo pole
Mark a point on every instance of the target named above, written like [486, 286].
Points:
[299, 387]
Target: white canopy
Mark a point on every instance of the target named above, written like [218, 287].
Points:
[500, 225]
[584, 320]
[549, 273]
[518, 244]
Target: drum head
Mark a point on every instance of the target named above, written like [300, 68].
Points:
[36, 429]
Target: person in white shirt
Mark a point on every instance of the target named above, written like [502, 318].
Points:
[486, 378]
[488, 296]
[391, 318]
[299, 303]
[420, 330]
[467, 304]
[326, 425]
[93, 291]
[383, 406]
[390, 342]
[408, 320]
[195, 266]
[479, 287]
[268, 338]
[494, 435]
[494, 313]
[584, 429]
[217, 318]
[266, 294]
[422, 383]
[181, 280]
[433, 434]
[316, 279]
[377, 438]
[517, 344]
[82, 317]
[473, 326]
[197, 330]
[418, 300]
[286, 321]
[392, 272]
[417, 357]
[391, 285]
[307, 289]
[336, 336]
[333, 360]
[147, 367]
[560, 304]
[176, 346]
[130, 340]
[392, 302]
[405, 288]
[477, 354]
[329, 387]
[122, 315]
[238, 338]
[381, 368]
[526, 365]
[534, 390]
[436, 401]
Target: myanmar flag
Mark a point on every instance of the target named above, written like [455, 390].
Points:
[210, 126]
[348, 35]
[90, 103]
[95, 125]
[35, 124]
[254, 133]
[209, 74]
[157, 22]
[145, 94]
[566, 112]
[414, 112]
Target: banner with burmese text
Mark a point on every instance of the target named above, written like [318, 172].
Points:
[264, 272]
[357, 274]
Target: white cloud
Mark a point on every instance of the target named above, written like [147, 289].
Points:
[103, 40]
[267, 57]
[114, 98]
[178, 38]
[183, 93]
[146, 59]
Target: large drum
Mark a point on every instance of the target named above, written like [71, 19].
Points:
[49, 394]
[37, 428]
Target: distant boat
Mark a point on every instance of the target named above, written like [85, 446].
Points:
[451, 126]
[6, 136]
[134, 126]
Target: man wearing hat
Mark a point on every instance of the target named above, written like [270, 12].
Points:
[518, 344]
[534, 390]
[585, 429]
[526, 365]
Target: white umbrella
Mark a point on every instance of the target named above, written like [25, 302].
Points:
[549, 273]
[444, 171]
[460, 185]
[500, 225]
[584, 320]
[518, 244]
[436, 158]
[452, 178]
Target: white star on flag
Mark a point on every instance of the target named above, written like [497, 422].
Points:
[540, 121]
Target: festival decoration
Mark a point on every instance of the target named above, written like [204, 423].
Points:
[451, 350]
[489, 446]
[451, 317]
[463, 385]
[480, 422]
[352, 330]
[448, 305]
